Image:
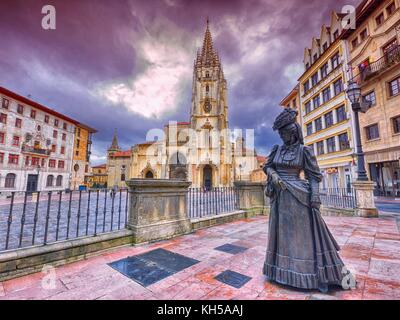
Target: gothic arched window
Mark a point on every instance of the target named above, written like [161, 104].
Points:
[207, 88]
[10, 180]
[50, 179]
[149, 175]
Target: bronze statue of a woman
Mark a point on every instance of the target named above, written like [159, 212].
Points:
[301, 252]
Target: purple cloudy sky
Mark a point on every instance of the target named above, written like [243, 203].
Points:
[128, 64]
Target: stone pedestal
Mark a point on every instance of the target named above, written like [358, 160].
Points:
[157, 209]
[365, 199]
[252, 198]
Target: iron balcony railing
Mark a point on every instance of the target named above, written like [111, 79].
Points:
[39, 151]
[205, 203]
[46, 217]
[341, 198]
[390, 58]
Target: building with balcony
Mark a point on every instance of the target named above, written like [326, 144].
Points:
[325, 112]
[374, 49]
[36, 145]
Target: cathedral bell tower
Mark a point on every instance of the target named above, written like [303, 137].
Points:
[209, 96]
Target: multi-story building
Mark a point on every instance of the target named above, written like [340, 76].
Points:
[81, 155]
[326, 116]
[36, 145]
[374, 49]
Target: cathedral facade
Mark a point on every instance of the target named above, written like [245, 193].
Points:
[203, 150]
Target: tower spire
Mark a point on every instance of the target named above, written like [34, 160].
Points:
[208, 55]
[114, 145]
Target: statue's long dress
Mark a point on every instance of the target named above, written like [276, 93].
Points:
[301, 251]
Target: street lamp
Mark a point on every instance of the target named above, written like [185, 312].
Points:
[354, 94]
[240, 172]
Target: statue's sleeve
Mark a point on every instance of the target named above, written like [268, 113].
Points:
[312, 173]
[268, 166]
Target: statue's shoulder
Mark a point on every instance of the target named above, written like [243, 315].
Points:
[308, 150]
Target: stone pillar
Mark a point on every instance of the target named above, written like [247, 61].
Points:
[252, 198]
[365, 199]
[157, 209]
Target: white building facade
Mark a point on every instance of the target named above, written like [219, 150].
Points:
[36, 146]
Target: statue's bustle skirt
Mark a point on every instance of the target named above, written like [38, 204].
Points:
[301, 250]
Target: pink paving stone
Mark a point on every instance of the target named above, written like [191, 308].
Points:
[370, 248]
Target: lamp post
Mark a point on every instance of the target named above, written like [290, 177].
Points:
[38, 168]
[354, 94]
[240, 172]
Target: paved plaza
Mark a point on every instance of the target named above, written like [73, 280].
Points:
[370, 249]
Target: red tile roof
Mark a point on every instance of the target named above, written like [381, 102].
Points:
[100, 166]
[123, 154]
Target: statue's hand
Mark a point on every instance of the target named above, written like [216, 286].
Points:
[278, 182]
[315, 205]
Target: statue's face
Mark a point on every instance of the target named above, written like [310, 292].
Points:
[287, 135]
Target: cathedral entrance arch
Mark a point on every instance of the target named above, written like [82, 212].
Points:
[207, 177]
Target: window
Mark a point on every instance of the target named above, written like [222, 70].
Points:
[372, 132]
[320, 148]
[335, 60]
[46, 118]
[379, 19]
[314, 79]
[326, 94]
[316, 101]
[79, 132]
[55, 133]
[59, 181]
[364, 34]
[5, 103]
[370, 97]
[335, 35]
[10, 180]
[27, 161]
[65, 126]
[3, 118]
[18, 123]
[324, 70]
[318, 124]
[307, 66]
[394, 87]
[123, 177]
[56, 122]
[2, 137]
[354, 43]
[341, 114]
[396, 124]
[77, 152]
[52, 163]
[344, 141]
[64, 137]
[62, 150]
[309, 129]
[338, 86]
[389, 50]
[33, 114]
[20, 109]
[13, 159]
[60, 164]
[294, 103]
[390, 9]
[329, 119]
[315, 57]
[15, 141]
[1, 157]
[330, 143]
[53, 148]
[207, 88]
[308, 107]
[78, 142]
[43, 163]
[306, 86]
[50, 179]
[35, 161]
[325, 46]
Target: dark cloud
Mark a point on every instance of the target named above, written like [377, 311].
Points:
[99, 42]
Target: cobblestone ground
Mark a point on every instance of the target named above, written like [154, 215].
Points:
[114, 215]
[370, 249]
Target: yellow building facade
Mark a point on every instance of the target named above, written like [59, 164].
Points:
[98, 177]
[375, 64]
[325, 115]
[81, 155]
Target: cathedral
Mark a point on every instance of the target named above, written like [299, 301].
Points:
[203, 150]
